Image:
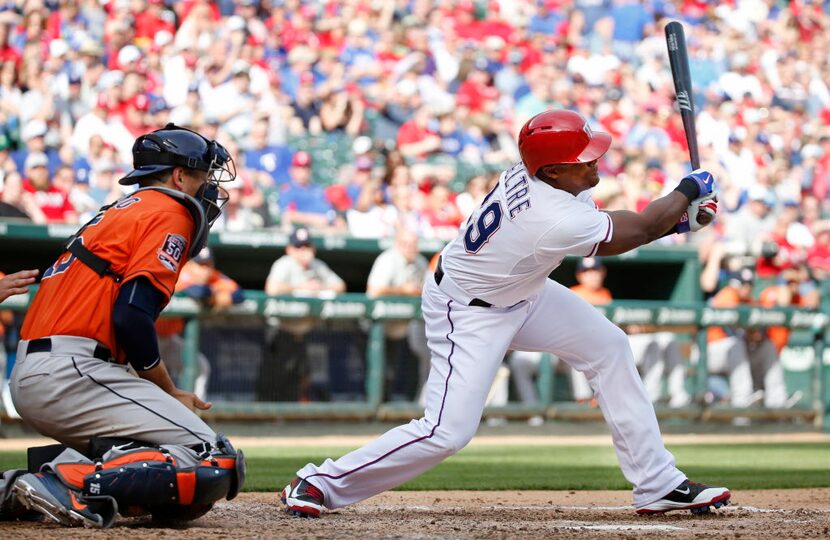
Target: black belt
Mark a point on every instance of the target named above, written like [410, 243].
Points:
[45, 345]
[439, 275]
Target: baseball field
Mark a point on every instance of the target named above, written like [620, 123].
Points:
[515, 486]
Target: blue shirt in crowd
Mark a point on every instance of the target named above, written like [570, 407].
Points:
[275, 160]
[310, 198]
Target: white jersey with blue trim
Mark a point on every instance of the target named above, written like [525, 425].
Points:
[520, 233]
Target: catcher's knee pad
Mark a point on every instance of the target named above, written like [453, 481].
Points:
[142, 478]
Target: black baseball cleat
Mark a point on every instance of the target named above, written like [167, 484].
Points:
[45, 493]
[689, 496]
[302, 499]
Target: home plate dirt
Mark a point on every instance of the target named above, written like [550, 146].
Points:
[803, 513]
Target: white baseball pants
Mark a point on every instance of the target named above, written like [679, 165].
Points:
[468, 344]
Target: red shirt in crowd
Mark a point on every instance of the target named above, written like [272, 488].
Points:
[788, 256]
[53, 202]
[819, 257]
[411, 132]
[147, 24]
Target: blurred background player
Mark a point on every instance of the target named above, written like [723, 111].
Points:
[284, 372]
[400, 271]
[216, 292]
[656, 354]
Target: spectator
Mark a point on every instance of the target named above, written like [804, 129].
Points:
[306, 107]
[260, 155]
[341, 111]
[216, 292]
[818, 258]
[304, 203]
[545, 21]
[475, 191]
[17, 203]
[34, 138]
[243, 211]
[285, 363]
[52, 202]
[417, 137]
[233, 103]
[400, 271]
[440, 214]
[750, 223]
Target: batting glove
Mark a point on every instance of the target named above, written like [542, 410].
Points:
[698, 183]
[690, 221]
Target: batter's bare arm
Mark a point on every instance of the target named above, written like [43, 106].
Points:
[632, 229]
[693, 200]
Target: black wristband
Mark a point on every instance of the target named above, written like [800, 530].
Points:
[689, 188]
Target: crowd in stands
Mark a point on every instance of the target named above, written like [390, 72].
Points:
[354, 116]
[368, 117]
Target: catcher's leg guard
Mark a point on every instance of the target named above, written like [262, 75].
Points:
[149, 479]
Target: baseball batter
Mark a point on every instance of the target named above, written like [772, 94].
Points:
[129, 444]
[491, 293]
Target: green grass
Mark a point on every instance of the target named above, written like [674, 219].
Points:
[738, 466]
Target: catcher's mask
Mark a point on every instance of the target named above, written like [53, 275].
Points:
[176, 146]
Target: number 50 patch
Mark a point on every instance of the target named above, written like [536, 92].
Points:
[171, 251]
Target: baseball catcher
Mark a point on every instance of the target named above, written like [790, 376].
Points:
[129, 440]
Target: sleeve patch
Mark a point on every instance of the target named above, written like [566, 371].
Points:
[172, 251]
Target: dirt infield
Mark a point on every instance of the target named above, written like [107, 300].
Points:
[772, 514]
[508, 514]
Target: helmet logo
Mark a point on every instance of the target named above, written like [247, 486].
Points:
[587, 129]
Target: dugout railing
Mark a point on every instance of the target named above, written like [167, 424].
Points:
[233, 343]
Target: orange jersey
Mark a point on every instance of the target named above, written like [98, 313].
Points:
[595, 298]
[727, 297]
[217, 281]
[779, 335]
[147, 235]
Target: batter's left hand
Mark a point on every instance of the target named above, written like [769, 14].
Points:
[191, 400]
[703, 179]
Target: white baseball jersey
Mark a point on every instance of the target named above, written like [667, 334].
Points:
[522, 231]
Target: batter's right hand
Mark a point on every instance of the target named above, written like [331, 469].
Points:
[191, 400]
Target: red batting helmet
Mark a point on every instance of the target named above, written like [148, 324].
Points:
[560, 137]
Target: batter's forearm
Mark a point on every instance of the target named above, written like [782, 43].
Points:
[632, 230]
[663, 213]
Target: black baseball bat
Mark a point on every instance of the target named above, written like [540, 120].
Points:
[679, 60]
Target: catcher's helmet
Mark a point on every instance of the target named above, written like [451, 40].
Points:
[560, 137]
[175, 146]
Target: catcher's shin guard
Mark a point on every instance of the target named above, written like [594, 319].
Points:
[148, 479]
